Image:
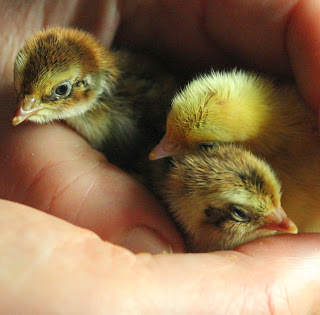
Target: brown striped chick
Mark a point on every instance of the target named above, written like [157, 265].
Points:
[268, 118]
[221, 197]
[114, 99]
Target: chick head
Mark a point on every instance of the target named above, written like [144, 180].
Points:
[60, 73]
[215, 108]
[224, 197]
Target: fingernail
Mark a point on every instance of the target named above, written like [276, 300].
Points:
[140, 239]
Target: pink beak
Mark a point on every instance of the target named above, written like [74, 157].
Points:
[164, 148]
[279, 221]
[26, 108]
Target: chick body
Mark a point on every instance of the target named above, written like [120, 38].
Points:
[262, 115]
[240, 106]
[221, 197]
[113, 99]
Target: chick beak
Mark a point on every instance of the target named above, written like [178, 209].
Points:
[279, 221]
[164, 148]
[27, 107]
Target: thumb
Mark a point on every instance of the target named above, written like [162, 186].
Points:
[303, 45]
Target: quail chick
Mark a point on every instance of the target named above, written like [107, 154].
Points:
[236, 106]
[267, 117]
[114, 99]
[221, 197]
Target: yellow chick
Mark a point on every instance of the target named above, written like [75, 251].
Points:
[268, 118]
[114, 99]
[236, 106]
[221, 197]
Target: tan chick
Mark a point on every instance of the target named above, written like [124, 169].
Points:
[221, 197]
[265, 116]
[115, 99]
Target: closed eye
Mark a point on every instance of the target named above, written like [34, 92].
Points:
[238, 214]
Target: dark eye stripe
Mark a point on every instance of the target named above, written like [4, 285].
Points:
[215, 216]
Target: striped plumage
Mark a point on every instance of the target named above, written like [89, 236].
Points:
[113, 98]
[221, 197]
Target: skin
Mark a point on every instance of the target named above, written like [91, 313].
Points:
[41, 254]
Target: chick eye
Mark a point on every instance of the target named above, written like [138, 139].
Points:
[62, 90]
[238, 214]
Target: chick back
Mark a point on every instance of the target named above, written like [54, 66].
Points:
[140, 100]
[126, 122]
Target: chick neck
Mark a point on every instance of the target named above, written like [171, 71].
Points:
[91, 122]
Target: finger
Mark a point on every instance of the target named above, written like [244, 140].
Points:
[251, 32]
[201, 34]
[173, 29]
[303, 44]
[53, 169]
[99, 17]
[57, 265]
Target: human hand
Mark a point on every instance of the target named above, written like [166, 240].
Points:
[50, 266]
[279, 37]
[52, 168]
[38, 163]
